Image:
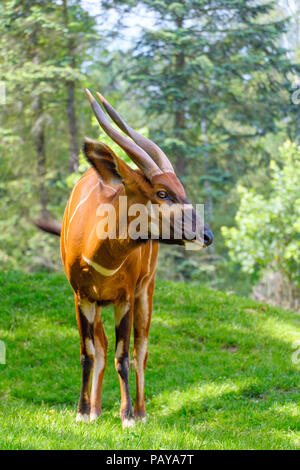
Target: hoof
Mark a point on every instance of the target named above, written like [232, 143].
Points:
[94, 414]
[82, 418]
[128, 423]
[140, 419]
[140, 416]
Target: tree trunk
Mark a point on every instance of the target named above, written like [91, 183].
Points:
[39, 141]
[70, 84]
[179, 118]
[73, 139]
[38, 133]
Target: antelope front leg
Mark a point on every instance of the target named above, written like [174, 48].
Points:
[123, 320]
[141, 325]
[85, 314]
[100, 342]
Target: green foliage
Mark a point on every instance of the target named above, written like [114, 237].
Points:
[267, 230]
[220, 373]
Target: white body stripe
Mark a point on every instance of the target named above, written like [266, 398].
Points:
[70, 201]
[148, 269]
[100, 269]
[79, 204]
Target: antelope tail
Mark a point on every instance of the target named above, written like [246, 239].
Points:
[49, 226]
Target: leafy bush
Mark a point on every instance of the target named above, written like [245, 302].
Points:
[267, 231]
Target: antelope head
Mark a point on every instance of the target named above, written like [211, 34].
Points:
[155, 184]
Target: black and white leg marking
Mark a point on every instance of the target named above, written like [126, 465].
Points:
[85, 318]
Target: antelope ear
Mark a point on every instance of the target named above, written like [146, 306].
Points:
[111, 168]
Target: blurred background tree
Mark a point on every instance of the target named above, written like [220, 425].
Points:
[44, 48]
[210, 81]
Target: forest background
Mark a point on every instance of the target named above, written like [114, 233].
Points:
[215, 83]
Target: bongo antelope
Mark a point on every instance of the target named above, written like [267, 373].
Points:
[117, 271]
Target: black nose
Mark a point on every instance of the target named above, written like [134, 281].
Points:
[208, 237]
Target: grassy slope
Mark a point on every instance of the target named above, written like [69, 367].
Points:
[219, 374]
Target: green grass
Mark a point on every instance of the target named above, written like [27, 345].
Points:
[219, 376]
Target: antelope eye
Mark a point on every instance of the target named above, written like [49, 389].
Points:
[162, 194]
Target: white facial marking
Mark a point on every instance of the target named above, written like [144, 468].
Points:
[193, 245]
